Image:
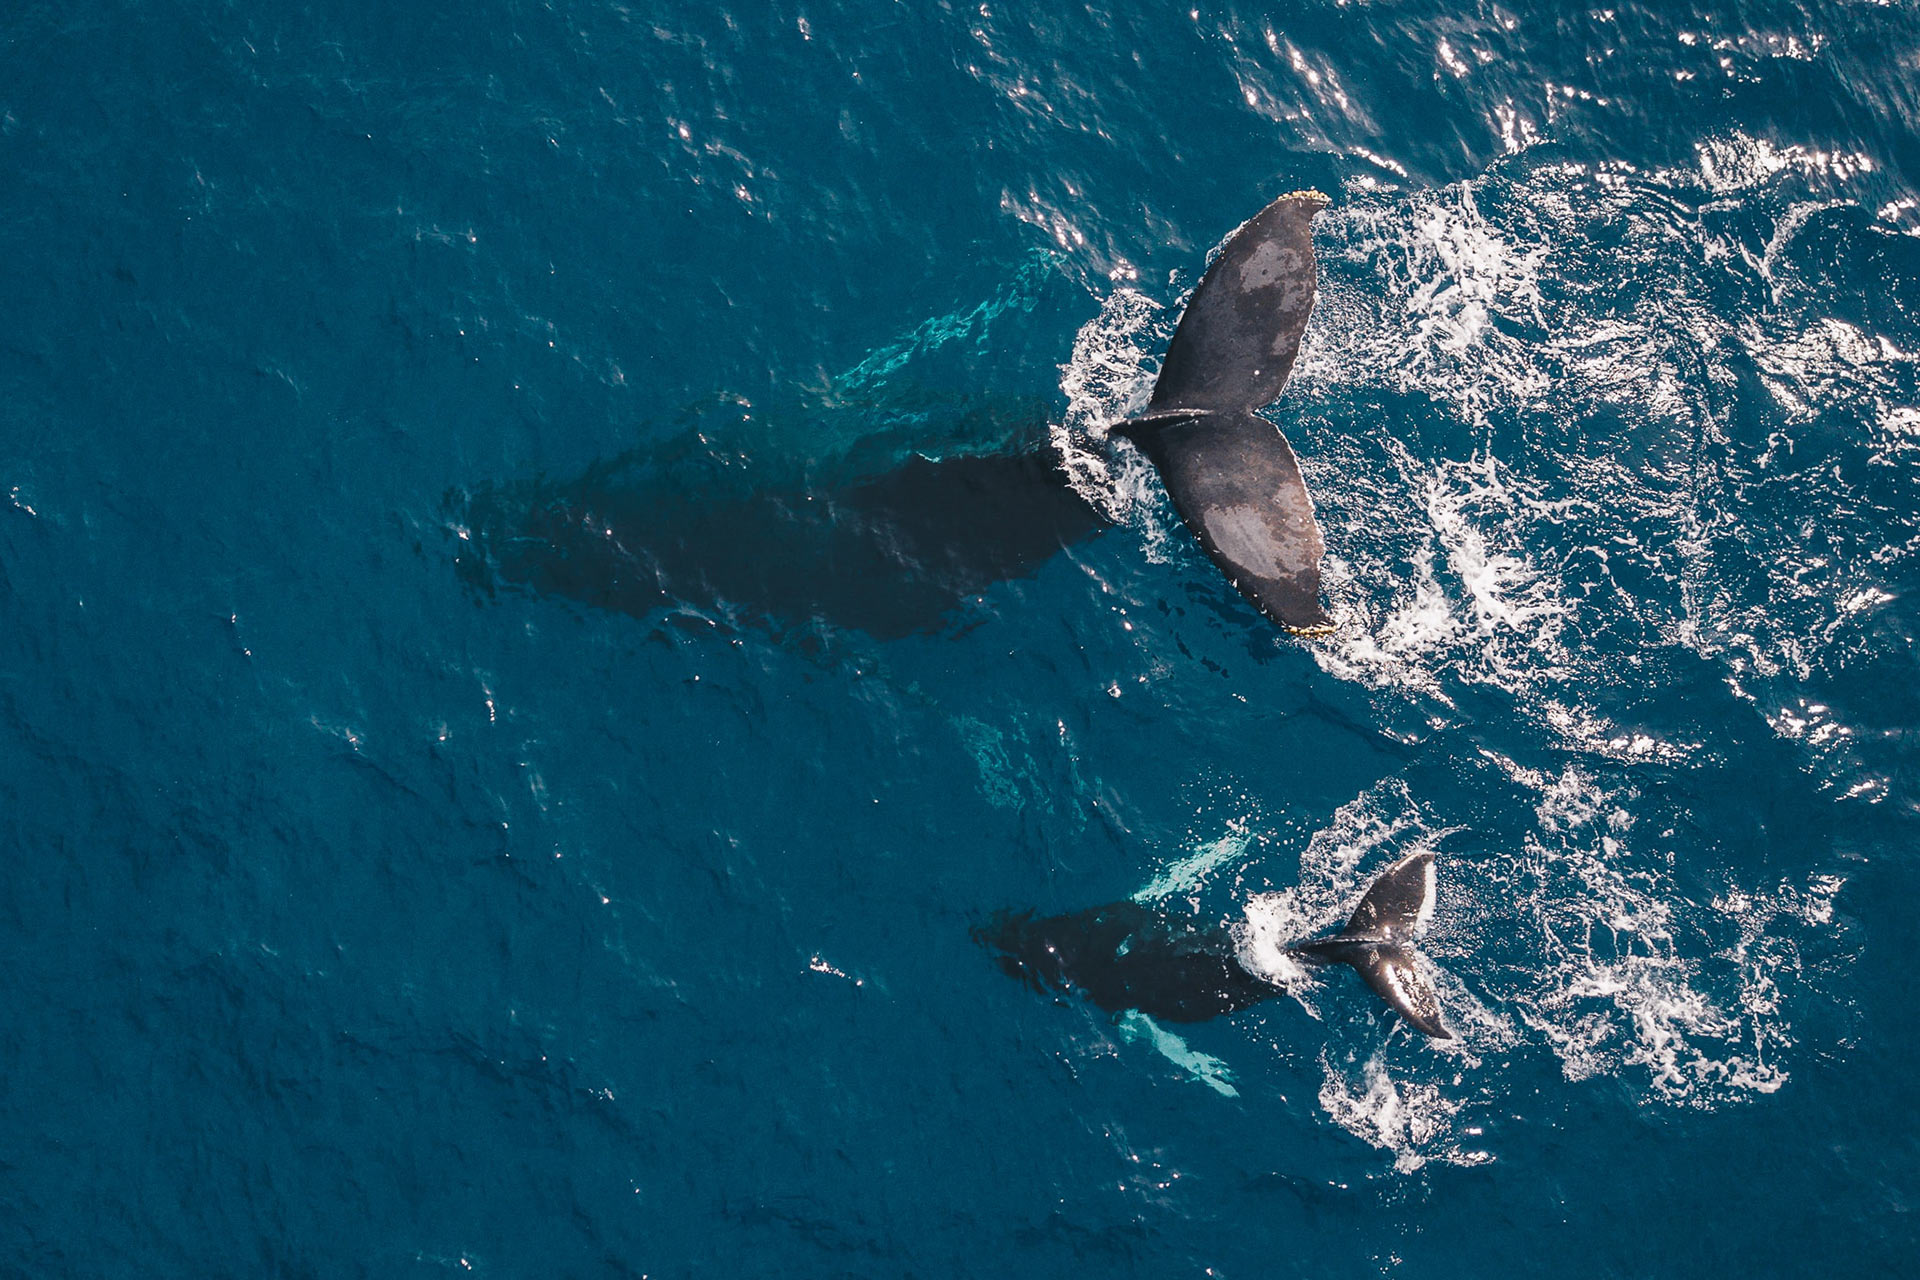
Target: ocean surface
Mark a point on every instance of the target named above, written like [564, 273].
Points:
[399, 881]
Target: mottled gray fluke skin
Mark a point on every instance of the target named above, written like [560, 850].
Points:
[1180, 969]
[1230, 472]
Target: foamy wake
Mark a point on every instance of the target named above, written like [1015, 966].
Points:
[1515, 407]
[1578, 943]
[1569, 429]
[1109, 378]
[1415, 1121]
[1633, 977]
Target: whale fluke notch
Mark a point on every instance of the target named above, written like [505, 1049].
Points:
[1231, 474]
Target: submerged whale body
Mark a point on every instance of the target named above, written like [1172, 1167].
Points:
[891, 542]
[1130, 956]
[1231, 474]
[890, 553]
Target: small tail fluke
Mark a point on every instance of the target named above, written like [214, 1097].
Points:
[1378, 942]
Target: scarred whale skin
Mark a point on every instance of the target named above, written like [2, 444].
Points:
[1231, 474]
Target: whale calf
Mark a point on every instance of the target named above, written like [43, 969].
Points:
[1130, 956]
[1231, 474]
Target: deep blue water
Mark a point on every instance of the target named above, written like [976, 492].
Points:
[367, 912]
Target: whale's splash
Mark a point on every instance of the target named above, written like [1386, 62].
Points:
[1580, 946]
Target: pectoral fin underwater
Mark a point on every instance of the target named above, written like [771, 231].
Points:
[1230, 472]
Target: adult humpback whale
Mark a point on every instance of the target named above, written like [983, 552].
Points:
[1231, 474]
[1129, 956]
[876, 537]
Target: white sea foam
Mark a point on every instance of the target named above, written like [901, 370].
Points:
[1109, 378]
[1486, 310]
[1627, 980]
[1417, 1121]
[1736, 162]
[1423, 293]
[1516, 409]
[1577, 942]
[1457, 591]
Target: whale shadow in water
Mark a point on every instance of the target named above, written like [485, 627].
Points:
[897, 548]
[686, 528]
[1127, 955]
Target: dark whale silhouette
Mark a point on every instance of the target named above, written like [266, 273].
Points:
[891, 542]
[890, 554]
[1130, 956]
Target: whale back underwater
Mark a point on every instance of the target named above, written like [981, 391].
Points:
[890, 554]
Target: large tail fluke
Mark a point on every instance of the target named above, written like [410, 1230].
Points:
[1395, 978]
[1236, 484]
[1230, 472]
[1399, 904]
[1378, 942]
